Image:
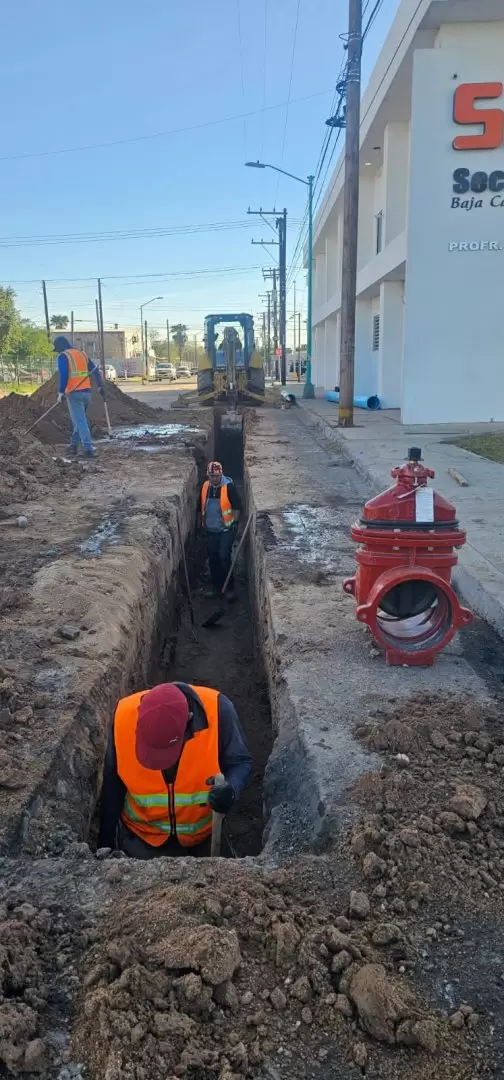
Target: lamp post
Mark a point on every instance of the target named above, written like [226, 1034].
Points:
[308, 388]
[145, 346]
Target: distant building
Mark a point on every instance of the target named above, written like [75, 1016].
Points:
[123, 348]
[429, 330]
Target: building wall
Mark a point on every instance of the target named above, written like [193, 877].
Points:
[453, 368]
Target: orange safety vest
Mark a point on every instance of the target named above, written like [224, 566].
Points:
[151, 809]
[225, 505]
[78, 374]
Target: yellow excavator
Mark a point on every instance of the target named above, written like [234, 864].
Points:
[230, 371]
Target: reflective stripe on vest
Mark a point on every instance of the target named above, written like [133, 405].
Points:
[78, 374]
[146, 811]
[225, 505]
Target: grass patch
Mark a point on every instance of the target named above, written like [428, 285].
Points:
[487, 446]
[19, 388]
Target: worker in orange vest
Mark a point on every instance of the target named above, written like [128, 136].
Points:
[220, 507]
[165, 747]
[75, 373]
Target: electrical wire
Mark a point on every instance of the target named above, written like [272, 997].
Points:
[159, 134]
[265, 52]
[240, 49]
[375, 12]
[121, 234]
[291, 72]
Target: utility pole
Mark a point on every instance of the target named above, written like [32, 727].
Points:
[46, 309]
[146, 340]
[264, 338]
[71, 325]
[282, 236]
[195, 351]
[294, 351]
[299, 347]
[102, 336]
[350, 215]
[168, 339]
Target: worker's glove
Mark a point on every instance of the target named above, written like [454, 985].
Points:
[222, 798]
[102, 392]
[60, 399]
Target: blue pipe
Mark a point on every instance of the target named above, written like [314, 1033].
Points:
[372, 402]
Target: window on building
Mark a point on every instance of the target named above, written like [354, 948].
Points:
[376, 333]
[379, 232]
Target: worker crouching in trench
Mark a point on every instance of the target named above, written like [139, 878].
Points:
[165, 747]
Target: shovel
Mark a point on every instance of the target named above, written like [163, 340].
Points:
[216, 616]
[187, 585]
[217, 819]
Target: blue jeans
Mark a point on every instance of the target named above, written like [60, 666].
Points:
[78, 405]
[219, 548]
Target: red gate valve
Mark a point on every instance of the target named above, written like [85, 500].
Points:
[407, 536]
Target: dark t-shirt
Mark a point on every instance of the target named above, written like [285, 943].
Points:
[233, 495]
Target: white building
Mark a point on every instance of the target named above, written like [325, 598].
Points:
[430, 285]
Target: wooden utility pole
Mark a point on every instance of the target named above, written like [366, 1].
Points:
[168, 339]
[146, 341]
[294, 317]
[350, 214]
[71, 325]
[299, 347]
[102, 335]
[46, 309]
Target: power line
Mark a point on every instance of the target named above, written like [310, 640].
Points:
[127, 279]
[240, 47]
[159, 134]
[120, 234]
[264, 73]
[375, 12]
[294, 43]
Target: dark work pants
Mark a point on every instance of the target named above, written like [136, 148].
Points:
[136, 848]
[219, 548]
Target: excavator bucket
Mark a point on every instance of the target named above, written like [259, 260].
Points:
[231, 422]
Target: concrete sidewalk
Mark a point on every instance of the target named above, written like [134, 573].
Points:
[379, 441]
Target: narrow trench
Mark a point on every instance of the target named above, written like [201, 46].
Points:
[226, 657]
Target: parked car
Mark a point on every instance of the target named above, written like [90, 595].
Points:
[183, 372]
[110, 373]
[164, 372]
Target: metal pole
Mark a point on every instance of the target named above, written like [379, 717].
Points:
[309, 389]
[264, 339]
[299, 348]
[275, 322]
[72, 325]
[102, 336]
[294, 349]
[195, 351]
[46, 309]
[269, 334]
[168, 339]
[350, 215]
[146, 340]
[282, 236]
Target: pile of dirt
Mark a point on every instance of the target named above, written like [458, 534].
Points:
[18, 412]
[28, 469]
[434, 825]
[234, 975]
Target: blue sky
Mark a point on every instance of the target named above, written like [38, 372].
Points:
[79, 74]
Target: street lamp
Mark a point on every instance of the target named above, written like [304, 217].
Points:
[145, 346]
[308, 388]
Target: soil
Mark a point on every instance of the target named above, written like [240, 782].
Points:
[381, 958]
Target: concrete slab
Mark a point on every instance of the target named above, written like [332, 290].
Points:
[325, 676]
[379, 441]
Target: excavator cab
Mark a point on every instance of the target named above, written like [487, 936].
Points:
[230, 370]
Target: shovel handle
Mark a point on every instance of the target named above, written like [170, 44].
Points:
[237, 552]
[107, 418]
[217, 819]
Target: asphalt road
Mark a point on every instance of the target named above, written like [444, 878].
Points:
[160, 395]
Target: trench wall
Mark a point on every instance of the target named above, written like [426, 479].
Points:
[116, 603]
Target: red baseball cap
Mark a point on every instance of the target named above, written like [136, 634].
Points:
[162, 721]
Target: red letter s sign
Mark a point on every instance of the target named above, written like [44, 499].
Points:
[492, 120]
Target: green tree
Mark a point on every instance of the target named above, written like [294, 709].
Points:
[9, 318]
[59, 322]
[179, 337]
[29, 348]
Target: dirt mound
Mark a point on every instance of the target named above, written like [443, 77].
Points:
[18, 412]
[28, 469]
[123, 409]
[234, 975]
